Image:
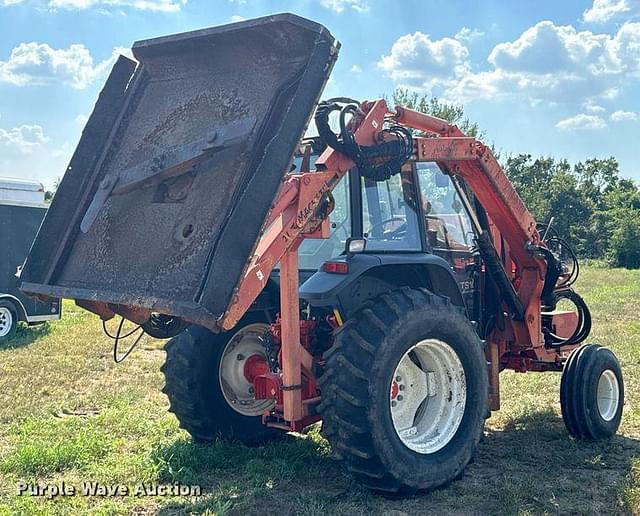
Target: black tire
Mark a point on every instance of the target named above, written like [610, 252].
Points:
[192, 384]
[8, 320]
[581, 412]
[360, 368]
[161, 326]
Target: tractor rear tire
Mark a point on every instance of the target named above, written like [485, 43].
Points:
[592, 393]
[406, 346]
[193, 384]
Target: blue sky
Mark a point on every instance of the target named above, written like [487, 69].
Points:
[559, 78]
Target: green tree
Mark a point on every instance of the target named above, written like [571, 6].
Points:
[593, 208]
[624, 247]
[452, 113]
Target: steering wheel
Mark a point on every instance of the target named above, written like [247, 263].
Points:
[390, 232]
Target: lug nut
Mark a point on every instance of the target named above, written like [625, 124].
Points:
[239, 356]
[401, 387]
[393, 403]
[398, 378]
[399, 397]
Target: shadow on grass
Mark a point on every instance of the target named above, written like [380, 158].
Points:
[539, 468]
[233, 475]
[26, 335]
[530, 465]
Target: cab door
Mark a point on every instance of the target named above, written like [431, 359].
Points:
[448, 230]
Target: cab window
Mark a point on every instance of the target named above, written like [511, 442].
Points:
[314, 252]
[447, 223]
[389, 215]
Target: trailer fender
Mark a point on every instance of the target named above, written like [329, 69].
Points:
[22, 312]
[371, 275]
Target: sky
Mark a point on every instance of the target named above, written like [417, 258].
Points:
[552, 77]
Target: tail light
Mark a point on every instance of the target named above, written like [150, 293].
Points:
[335, 267]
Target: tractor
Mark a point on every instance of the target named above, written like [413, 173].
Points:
[376, 277]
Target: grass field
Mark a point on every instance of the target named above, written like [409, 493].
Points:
[68, 413]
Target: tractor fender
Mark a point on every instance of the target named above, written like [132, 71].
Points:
[370, 275]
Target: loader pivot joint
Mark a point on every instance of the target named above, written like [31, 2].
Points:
[377, 162]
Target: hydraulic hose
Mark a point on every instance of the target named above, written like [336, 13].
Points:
[583, 327]
[393, 153]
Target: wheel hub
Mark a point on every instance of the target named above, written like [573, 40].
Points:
[608, 395]
[428, 396]
[6, 320]
[244, 358]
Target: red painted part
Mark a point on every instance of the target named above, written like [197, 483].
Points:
[564, 323]
[297, 426]
[524, 364]
[254, 366]
[268, 386]
[307, 333]
[394, 390]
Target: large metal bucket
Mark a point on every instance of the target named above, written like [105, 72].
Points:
[164, 198]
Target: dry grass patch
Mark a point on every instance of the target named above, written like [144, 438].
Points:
[67, 412]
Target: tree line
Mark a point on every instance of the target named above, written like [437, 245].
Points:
[593, 208]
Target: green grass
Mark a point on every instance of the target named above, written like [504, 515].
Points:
[68, 413]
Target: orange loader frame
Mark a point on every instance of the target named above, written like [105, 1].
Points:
[301, 211]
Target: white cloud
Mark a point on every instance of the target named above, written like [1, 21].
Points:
[624, 116]
[590, 106]
[24, 138]
[5, 3]
[39, 64]
[143, 5]
[417, 61]
[581, 122]
[356, 69]
[341, 5]
[547, 48]
[467, 35]
[81, 119]
[604, 10]
[547, 62]
[237, 18]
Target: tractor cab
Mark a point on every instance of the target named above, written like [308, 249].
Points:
[415, 217]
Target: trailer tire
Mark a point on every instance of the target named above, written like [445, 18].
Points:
[8, 320]
[592, 393]
[194, 387]
[397, 332]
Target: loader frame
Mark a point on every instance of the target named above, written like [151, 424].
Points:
[301, 210]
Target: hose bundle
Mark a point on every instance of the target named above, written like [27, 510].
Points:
[583, 327]
[367, 158]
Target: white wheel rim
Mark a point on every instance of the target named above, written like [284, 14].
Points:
[6, 321]
[236, 389]
[428, 396]
[608, 395]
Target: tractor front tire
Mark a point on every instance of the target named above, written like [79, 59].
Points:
[405, 392]
[592, 393]
[197, 365]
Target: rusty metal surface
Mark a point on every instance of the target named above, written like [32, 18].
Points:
[169, 217]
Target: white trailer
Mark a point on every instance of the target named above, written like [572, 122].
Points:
[22, 208]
